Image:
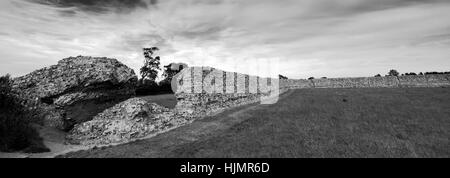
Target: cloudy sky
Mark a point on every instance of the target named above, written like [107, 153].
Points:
[333, 38]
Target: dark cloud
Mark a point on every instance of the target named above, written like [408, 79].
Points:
[97, 6]
[209, 33]
[67, 13]
[4, 34]
[133, 42]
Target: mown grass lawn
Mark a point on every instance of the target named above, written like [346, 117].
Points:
[402, 122]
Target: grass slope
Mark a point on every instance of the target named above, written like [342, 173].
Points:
[166, 100]
[405, 122]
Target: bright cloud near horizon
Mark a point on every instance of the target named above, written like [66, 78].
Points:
[332, 38]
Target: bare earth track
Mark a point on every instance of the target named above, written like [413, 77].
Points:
[373, 122]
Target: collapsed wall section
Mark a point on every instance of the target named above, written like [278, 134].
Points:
[75, 89]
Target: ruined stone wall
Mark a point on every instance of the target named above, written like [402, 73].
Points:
[372, 82]
[203, 91]
[296, 84]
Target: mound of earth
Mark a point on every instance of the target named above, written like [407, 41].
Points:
[128, 120]
[76, 89]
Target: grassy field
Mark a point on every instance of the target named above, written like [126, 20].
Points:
[405, 122]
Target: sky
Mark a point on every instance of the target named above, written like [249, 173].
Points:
[331, 38]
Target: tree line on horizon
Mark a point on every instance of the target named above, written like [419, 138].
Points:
[394, 72]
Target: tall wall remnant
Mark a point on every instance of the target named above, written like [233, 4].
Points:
[203, 90]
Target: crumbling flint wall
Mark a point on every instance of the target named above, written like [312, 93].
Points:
[204, 91]
[371, 82]
[231, 89]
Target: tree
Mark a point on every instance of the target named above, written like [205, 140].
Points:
[393, 72]
[420, 73]
[151, 65]
[378, 75]
[310, 78]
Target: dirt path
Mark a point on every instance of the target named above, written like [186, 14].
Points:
[53, 139]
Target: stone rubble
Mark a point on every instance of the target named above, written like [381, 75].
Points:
[129, 120]
[60, 88]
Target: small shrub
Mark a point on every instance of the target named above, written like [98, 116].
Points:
[393, 72]
[411, 73]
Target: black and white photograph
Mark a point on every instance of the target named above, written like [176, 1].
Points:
[233, 79]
